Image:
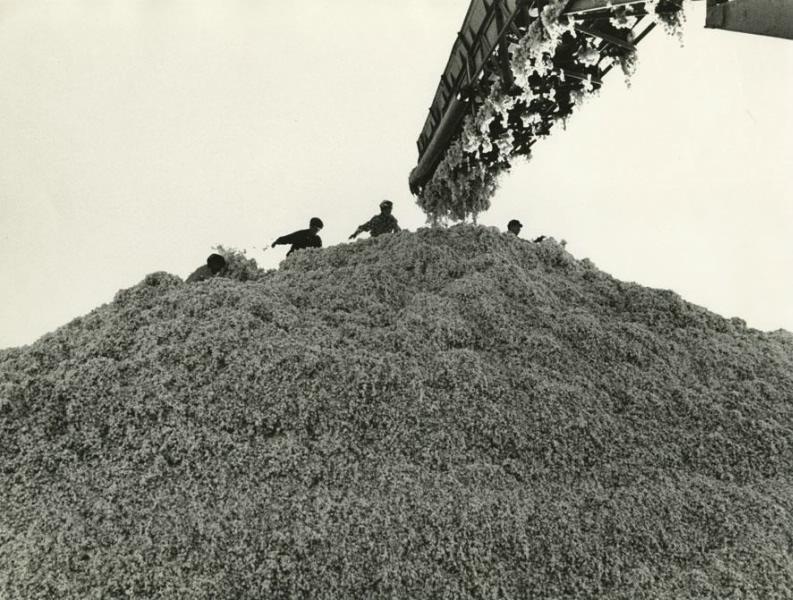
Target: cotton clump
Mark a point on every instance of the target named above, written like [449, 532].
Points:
[451, 413]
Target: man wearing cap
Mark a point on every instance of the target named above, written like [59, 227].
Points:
[305, 238]
[382, 223]
[514, 227]
[215, 264]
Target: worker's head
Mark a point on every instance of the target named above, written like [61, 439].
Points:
[386, 206]
[315, 224]
[216, 263]
[514, 226]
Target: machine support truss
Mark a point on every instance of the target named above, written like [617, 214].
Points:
[481, 49]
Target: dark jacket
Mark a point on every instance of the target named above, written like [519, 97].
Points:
[202, 273]
[382, 223]
[305, 238]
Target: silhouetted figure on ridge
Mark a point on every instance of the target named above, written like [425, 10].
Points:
[378, 224]
[215, 264]
[305, 238]
[514, 227]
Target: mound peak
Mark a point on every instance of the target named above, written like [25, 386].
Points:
[448, 413]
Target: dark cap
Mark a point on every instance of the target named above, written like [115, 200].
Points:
[316, 222]
[386, 204]
[513, 223]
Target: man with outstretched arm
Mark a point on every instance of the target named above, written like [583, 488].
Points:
[305, 238]
[379, 224]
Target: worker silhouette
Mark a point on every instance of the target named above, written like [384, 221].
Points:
[514, 227]
[382, 223]
[305, 238]
[215, 264]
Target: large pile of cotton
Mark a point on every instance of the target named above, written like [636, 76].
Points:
[452, 413]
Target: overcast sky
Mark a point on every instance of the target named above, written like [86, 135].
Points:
[134, 136]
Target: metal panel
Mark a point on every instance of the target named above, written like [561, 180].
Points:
[477, 15]
[762, 17]
[511, 5]
[491, 34]
[577, 7]
[456, 65]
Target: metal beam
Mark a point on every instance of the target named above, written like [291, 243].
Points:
[761, 17]
[605, 36]
[580, 7]
[434, 150]
[579, 76]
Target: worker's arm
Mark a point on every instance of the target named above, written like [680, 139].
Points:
[365, 227]
[286, 239]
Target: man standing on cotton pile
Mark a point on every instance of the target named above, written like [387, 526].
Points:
[382, 223]
[305, 238]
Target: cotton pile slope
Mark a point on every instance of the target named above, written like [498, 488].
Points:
[452, 413]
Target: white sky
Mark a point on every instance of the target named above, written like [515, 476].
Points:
[134, 136]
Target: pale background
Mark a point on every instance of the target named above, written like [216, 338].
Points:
[134, 136]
